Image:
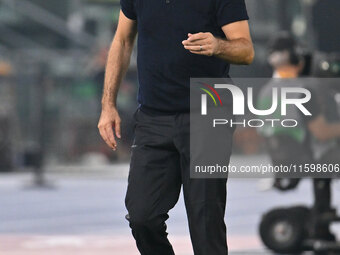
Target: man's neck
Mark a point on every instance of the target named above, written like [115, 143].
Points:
[285, 73]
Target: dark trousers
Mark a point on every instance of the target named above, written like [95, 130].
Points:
[159, 167]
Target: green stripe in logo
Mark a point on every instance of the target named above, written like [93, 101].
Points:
[206, 91]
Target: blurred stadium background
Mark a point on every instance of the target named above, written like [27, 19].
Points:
[52, 59]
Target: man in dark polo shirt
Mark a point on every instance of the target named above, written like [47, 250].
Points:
[177, 39]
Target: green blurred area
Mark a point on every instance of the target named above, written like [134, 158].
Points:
[52, 60]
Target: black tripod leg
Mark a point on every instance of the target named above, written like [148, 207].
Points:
[322, 205]
[322, 195]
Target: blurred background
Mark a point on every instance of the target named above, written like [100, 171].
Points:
[61, 188]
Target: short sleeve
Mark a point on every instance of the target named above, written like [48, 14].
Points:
[229, 11]
[128, 8]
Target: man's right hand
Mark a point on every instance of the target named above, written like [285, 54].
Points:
[109, 126]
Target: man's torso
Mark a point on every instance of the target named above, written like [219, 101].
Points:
[164, 66]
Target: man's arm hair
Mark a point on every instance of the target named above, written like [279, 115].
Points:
[237, 48]
[118, 59]
[322, 130]
[116, 67]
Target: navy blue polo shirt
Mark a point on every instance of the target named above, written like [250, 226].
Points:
[164, 66]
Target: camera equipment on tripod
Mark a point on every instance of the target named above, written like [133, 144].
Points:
[326, 65]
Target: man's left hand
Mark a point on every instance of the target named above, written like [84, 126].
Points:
[202, 44]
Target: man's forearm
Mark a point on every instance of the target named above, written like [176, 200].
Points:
[323, 130]
[238, 51]
[332, 131]
[116, 67]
